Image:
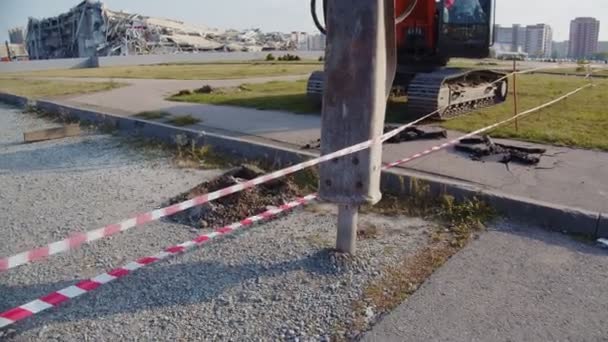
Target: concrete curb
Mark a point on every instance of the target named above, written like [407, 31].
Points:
[15, 100]
[602, 227]
[398, 181]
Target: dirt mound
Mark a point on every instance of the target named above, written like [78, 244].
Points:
[237, 206]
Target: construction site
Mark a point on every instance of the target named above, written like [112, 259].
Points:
[91, 29]
[414, 191]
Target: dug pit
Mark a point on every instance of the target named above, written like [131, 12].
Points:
[238, 206]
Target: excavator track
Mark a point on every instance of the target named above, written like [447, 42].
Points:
[455, 92]
[452, 92]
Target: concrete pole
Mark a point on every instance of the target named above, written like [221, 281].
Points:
[346, 240]
[360, 67]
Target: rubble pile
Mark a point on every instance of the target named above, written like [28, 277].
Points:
[91, 29]
[485, 149]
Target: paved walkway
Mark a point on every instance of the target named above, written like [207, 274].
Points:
[570, 177]
[510, 285]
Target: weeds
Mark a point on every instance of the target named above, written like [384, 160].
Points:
[184, 120]
[152, 115]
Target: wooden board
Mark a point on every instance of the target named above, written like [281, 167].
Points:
[52, 133]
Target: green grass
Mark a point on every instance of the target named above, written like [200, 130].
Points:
[184, 120]
[276, 95]
[38, 89]
[579, 121]
[186, 71]
[152, 115]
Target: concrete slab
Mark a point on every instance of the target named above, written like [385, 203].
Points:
[513, 284]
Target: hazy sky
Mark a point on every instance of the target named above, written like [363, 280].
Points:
[291, 15]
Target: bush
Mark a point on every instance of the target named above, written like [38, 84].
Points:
[289, 58]
[270, 57]
[206, 89]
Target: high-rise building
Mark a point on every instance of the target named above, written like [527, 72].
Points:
[584, 34]
[316, 42]
[560, 49]
[539, 39]
[510, 39]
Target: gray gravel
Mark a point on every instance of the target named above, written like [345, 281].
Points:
[276, 281]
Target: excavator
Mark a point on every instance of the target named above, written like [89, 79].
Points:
[428, 34]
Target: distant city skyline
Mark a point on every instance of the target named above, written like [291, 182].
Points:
[293, 15]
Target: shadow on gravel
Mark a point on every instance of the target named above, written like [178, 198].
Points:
[90, 152]
[168, 285]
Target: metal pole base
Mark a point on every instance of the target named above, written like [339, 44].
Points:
[347, 228]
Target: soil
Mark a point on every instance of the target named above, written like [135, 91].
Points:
[238, 206]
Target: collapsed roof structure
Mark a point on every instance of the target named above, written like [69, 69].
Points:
[90, 29]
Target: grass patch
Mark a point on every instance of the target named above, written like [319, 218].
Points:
[210, 71]
[579, 121]
[183, 120]
[152, 115]
[277, 95]
[39, 88]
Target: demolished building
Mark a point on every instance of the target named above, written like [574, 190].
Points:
[90, 29]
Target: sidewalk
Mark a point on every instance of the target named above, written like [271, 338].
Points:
[569, 177]
[509, 285]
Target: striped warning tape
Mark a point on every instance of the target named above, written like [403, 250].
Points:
[78, 239]
[56, 298]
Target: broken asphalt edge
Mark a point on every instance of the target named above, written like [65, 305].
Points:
[397, 181]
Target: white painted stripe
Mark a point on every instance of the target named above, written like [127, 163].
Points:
[162, 255]
[187, 244]
[213, 235]
[36, 306]
[215, 195]
[59, 246]
[186, 205]
[94, 235]
[18, 259]
[72, 291]
[5, 322]
[156, 214]
[130, 223]
[236, 225]
[103, 278]
[132, 266]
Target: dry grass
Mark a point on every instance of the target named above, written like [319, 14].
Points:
[209, 71]
[183, 120]
[40, 89]
[152, 115]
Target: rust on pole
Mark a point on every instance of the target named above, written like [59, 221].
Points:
[515, 109]
[359, 71]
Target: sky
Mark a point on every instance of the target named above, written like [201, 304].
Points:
[293, 15]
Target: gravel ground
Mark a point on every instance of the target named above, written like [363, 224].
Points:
[277, 281]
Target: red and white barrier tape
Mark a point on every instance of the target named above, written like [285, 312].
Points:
[56, 298]
[79, 239]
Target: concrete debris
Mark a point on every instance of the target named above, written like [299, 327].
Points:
[485, 149]
[90, 29]
[52, 133]
[415, 133]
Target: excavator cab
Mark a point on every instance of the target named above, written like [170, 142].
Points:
[465, 28]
